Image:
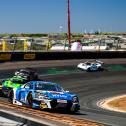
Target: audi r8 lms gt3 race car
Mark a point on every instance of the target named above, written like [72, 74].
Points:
[10, 83]
[28, 73]
[89, 66]
[44, 95]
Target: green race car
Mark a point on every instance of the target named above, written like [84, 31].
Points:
[13, 82]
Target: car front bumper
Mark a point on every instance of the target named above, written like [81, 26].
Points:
[56, 104]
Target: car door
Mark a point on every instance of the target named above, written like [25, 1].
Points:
[23, 92]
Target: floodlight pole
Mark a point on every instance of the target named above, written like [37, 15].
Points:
[69, 32]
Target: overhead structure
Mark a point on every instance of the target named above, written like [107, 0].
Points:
[25, 45]
[69, 31]
[3, 45]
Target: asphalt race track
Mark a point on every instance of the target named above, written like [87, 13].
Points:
[91, 87]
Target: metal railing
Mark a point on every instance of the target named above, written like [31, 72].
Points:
[30, 44]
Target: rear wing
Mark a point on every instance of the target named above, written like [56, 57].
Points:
[97, 61]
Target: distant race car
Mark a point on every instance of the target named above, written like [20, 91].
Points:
[44, 95]
[28, 73]
[10, 83]
[95, 65]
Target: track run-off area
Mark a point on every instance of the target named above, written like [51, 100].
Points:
[91, 87]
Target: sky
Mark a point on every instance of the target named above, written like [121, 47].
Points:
[50, 16]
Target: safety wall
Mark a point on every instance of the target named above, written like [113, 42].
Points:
[25, 56]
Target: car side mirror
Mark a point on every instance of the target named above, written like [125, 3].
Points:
[27, 87]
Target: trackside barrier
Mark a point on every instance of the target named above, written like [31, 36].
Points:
[24, 121]
[29, 56]
[5, 56]
[24, 56]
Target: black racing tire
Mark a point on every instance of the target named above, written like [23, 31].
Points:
[10, 96]
[36, 77]
[30, 99]
[72, 112]
[80, 69]
[88, 70]
[28, 78]
[2, 94]
[100, 69]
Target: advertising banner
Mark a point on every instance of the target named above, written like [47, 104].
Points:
[29, 56]
[5, 57]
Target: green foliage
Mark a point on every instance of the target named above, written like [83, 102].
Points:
[62, 35]
[24, 35]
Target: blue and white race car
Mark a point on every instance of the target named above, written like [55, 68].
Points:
[93, 65]
[41, 94]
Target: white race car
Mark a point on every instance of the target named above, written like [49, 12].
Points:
[89, 66]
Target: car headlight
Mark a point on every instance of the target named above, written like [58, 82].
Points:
[37, 95]
[75, 99]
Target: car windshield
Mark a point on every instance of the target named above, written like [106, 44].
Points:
[88, 63]
[48, 87]
[24, 72]
[18, 80]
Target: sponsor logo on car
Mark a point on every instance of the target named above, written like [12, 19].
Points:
[59, 96]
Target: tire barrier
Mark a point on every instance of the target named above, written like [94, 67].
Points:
[27, 56]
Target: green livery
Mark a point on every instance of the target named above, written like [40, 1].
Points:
[13, 82]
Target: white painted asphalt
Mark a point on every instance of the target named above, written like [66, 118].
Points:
[8, 122]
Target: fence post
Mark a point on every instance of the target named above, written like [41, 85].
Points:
[3, 45]
[25, 45]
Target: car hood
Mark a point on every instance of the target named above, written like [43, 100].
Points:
[58, 95]
[10, 84]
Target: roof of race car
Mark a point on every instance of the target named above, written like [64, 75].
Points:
[44, 82]
[93, 61]
[28, 69]
[44, 85]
